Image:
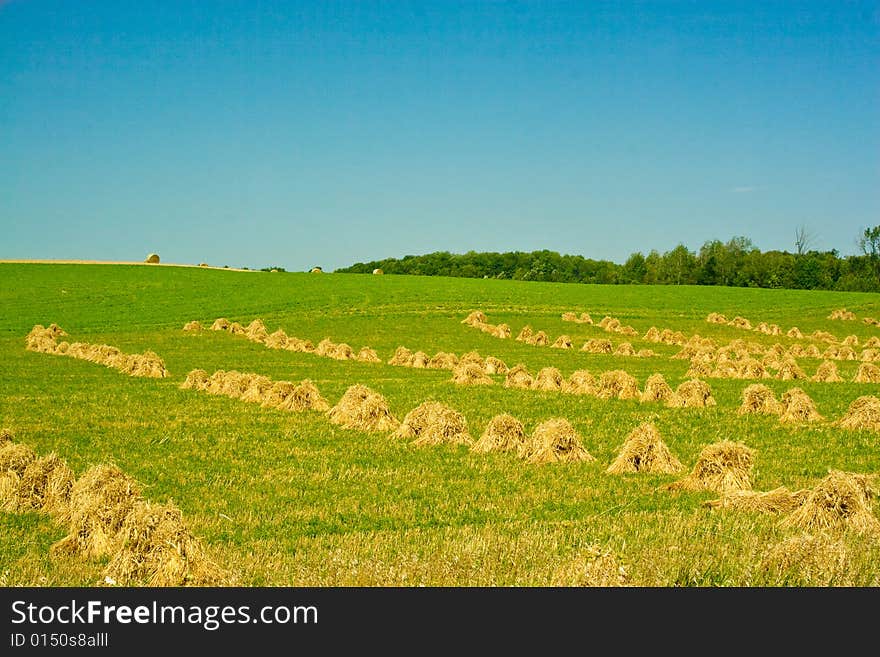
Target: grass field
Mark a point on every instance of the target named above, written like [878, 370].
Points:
[289, 499]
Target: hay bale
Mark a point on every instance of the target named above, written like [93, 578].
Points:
[367, 355]
[257, 387]
[842, 313]
[402, 357]
[233, 384]
[475, 318]
[778, 500]
[442, 361]
[40, 339]
[256, 331]
[192, 326]
[343, 351]
[867, 373]
[700, 368]
[363, 409]
[525, 334]
[873, 342]
[797, 406]
[556, 441]
[502, 331]
[807, 560]
[378, 272]
[276, 395]
[789, 370]
[495, 366]
[581, 382]
[644, 451]
[147, 364]
[716, 318]
[158, 549]
[548, 378]
[434, 423]
[15, 457]
[45, 485]
[276, 340]
[518, 377]
[236, 329]
[841, 499]
[152, 258]
[827, 373]
[811, 351]
[585, 318]
[795, 332]
[569, 317]
[741, 323]
[539, 339]
[326, 348]
[625, 349]
[594, 568]
[562, 342]
[305, 396]
[470, 373]
[420, 360]
[503, 433]
[863, 413]
[99, 502]
[299, 345]
[720, 467]
[758, 398]
[867, 355]
[598, 346]
[220, 324]
[751, 368]
[656, 389]
[851, 341]
[617, 384]
[693, 393]
[823, 336]
[196, 380]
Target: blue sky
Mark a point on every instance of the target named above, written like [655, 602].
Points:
[326, 133]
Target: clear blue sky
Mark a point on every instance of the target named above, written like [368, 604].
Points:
[325, 133]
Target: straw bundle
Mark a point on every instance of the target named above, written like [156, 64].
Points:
[504, 433]
[518, 377]
[721, 467]
[99, 502]
[863, 413]
[363, 409]
[644, 451]
[840, 499]
[555, 440]
[548, 378]
[797, 406]
[434, 423]
[758, 398]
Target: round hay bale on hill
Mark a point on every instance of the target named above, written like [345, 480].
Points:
[152, 258]
[378, 272]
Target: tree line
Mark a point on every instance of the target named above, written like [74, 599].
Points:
[737, 262]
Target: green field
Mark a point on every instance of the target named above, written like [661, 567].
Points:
[289, 499]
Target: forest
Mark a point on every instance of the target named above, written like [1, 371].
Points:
[737, 262]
